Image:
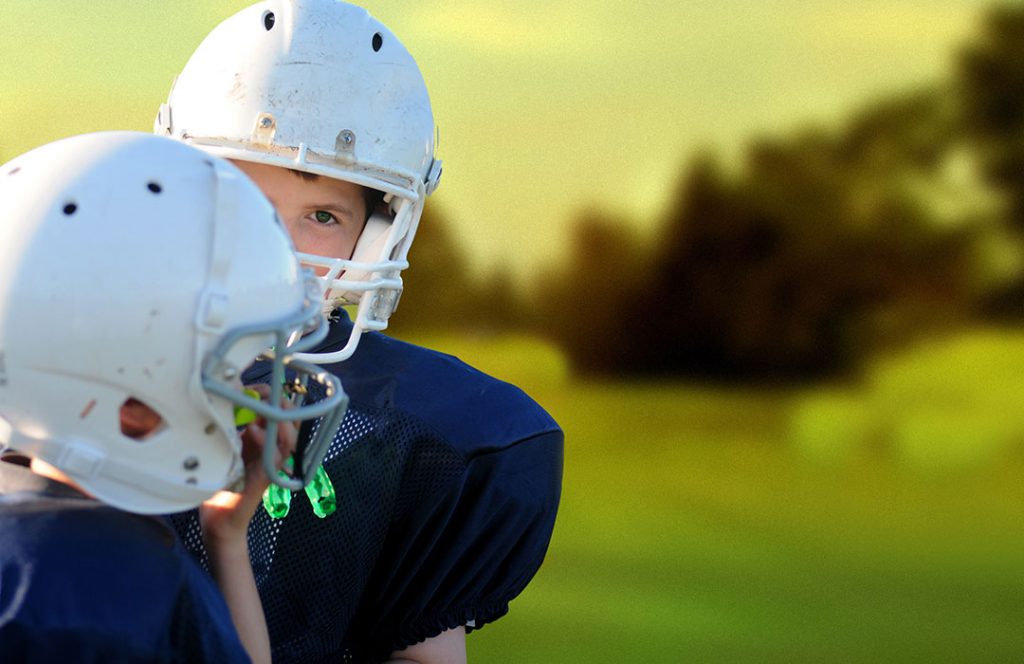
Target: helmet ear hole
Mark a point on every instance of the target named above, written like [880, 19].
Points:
[377, 42]
[139, 420]
[268, 20]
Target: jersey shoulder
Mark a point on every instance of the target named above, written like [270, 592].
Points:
[91, 581]
[473, 411]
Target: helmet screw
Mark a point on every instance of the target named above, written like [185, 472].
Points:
[345, 141]
[263, 131]
[210, 428]
[191, 463]
[229, 373]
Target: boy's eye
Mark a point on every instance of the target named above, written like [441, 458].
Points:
[324, 217]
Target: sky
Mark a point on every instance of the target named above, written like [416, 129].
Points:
[545, 108]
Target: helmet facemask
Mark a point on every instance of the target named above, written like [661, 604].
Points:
[289, 380]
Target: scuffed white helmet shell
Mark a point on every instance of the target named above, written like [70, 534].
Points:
[136, 267]
[320, 86]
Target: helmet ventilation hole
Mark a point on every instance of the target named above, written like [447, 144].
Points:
[139, 421]
[14, 170]
[268, 20]
[70, 209]
[378, 41]
[154, 187]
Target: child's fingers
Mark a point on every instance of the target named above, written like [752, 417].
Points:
[286, 435]
[254, 438]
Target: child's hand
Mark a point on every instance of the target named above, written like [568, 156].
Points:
[225, 516]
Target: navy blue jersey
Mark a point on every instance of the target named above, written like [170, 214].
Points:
[83, 582]
[447, 482]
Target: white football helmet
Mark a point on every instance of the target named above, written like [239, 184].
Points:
[137, 269]
[320, 86]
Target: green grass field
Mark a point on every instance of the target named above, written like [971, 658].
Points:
[701, 524]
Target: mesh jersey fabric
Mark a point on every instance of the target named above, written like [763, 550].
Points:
[447, 483]
[83, 582]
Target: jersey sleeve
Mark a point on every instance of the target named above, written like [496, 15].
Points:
[81, 582]
[460, 555]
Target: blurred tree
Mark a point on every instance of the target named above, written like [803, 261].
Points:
[500, 304]
[439, 289]
[582, 305]
[823, 247]
[741, 283]
[990, 74]
[442, 293]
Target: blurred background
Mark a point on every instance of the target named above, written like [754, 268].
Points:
[763, 261]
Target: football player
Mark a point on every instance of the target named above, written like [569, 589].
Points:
[448, 480]
[138, 278]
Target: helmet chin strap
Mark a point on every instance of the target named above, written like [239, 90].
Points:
[369, 248]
